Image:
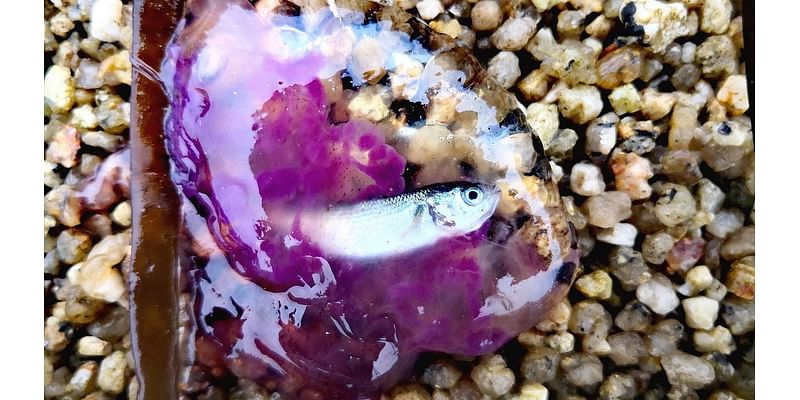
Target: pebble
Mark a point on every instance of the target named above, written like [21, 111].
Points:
[675, 204]
[55, 339]
[685, 77]
[62, 204]
[631, 174]
[591, 320]
[580, 104]
[514, 33]
[599, 27]
[635, 316]
[657, 22]
[656, 246]
[113, 368]
[486, 15]
[628, 267]
[596, 285]
[625, 99]
[107, 23]
[701, 312]
[657, 105]
[97, 277]
[116, 69]
[717, 57]
[83, 380]
[685, 254]
[601, 135]
[562, 342]
[571, 60]
[543, 119]
[664, 337]
[111, 326]
[83, 117]
[493, 377]
[121, 215]
[532, 391]
[697, 279]
[716, 290]
[441, 375]
[570, 24]
[72, 245]
[740, 244]
[726, 222]
[540, 364]
[621, 234]
[61, 24]
[733, 94]
[582, 370]
[557, 318]
[715, 16]
[618, 387]
[686, 369]
[59, 89]
[709, 196]
[90, 346]
[504, 69]
[718, 339]
[586, 179]
[561, 144]
[741, 279]
[658, 294]
[535, 85]
[608, 208]
[626, 348]
[619, 67]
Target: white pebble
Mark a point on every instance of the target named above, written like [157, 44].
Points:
[59, 89]
[625, 99]
[718, 340]
[543, 119]
[429, 9]
[486, 15]
[701, 312]
[733, 94]
[586, 179]
[658, 294]
[504, 69]
[580, 103]
[91, 346]
[532, 391]
[697, 279]
[514, 33]
[716, 16]
[621, 234]
[106, 20]
[661, 22]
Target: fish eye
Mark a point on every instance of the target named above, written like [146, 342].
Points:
[472, 196]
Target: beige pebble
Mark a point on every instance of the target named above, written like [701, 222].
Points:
[113, 369]
[701, 312]
[91, 346]
[597, 285]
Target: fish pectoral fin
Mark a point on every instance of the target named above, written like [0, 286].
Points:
[439, 218]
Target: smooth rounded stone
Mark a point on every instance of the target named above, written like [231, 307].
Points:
[493, 377]
[59, 89]
[739, 244]
[726, 222]
[107, 20]
[626, 348]
[618, 387]
[570, 24]
[656, 246]
[607, 209]
[688, 52]
[514, 33]
[625, 99]
[715, 16]
[453, 29]
[717, 57]
[675, 204]
[83, 380]
[664, 337]
[110, 326]
[97, 277]
[635, 316]
[684, 254]
[532, 391]
[562, 342]
[72, 245]
[535, 85]
[580, 104]
[686, 369]
[724, 370]
[627, 265]
[121, 215]
[504, 68]
[716, 290]
[441, 375]
[741, 279]
[697, 279]
[113, 368]
[599, 27]
[643, 216]
[586, 179]
[582, 370]
[733, 94]
[709, 196]
[543, 119]
[486, 15]
[685, 77]
[597, 285]
[631, 174]
[561, 145]
[682, 166]
[429, 9]
[657, 105]
[739, 315]
[90, 346]
[621, 234]
[540, 364]
[658, 294]
[718, 339]
[619, 67]
[726, 145]
[701, 312]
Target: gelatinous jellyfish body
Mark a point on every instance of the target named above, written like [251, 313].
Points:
[325, 156]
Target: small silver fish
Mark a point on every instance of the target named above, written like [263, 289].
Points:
[400, 224]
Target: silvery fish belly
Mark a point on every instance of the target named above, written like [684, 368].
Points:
[355, 192]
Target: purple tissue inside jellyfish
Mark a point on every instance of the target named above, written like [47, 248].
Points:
[253, 145]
